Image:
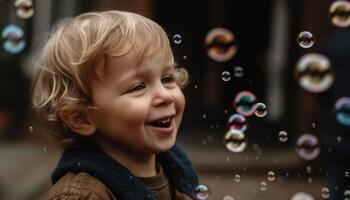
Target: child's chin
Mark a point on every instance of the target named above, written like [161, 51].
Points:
[164, 148]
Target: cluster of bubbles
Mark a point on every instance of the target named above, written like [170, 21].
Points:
[342, 109]
[12, 35]
[245, 105]
[307, 147]
[220, 44]
[202, 192]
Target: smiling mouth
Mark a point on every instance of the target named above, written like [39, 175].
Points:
[161, 123]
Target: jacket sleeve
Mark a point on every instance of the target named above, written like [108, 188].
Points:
[80, 186]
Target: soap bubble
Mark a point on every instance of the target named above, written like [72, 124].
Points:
[307, 147]
[235, 141]
[177, 38]
[237, 178]
[202, 192]
[13, 39]
[238, 71]
[302, 196]
[237, 122]
[24, 8]
[283, 136]
[244, 103]
[260, 110]
[263, 186]
[347, 195]
[225, 76]
[220, 44]
[271, 176]
[325, 193]
[342, 108]
[347, 174]
[314, 72]
[228, 198]
[340, 13]
[305, 39]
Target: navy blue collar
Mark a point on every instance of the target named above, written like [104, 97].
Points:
[119, 180]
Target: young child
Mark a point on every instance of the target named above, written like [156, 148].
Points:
[107, 80]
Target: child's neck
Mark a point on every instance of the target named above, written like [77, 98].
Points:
[140, 165]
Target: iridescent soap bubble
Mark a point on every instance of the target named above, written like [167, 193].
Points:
[263, 186]
[220, 44]
[282, 136]
[307, 147]
[237, 122]
[347, 195]
[340, 13]
[302, 196]
[244, 103]
[271, 176]
[305, 39]
[235, 141]
[202, 192]
[342, 109]
[24, 8]
[228, 197]
[325, 193]
[13, 39]
[238, 71]
[314, 73]
[225, 76]
[260, 110]
[177, 38]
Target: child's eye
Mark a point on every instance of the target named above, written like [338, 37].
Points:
[137, 87]
[168, 79]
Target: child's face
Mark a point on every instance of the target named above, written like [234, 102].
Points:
[134, 100]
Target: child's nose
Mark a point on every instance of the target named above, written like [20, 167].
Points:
[163, 96]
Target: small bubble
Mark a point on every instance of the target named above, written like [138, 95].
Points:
[238, 71]
[339, 139]
[271, 176]
[302, 196]
[305, 39]
[177, 38]
[309, 180]
[237, 178]
[45, 149]
[347, 195]
[347, 174]
[313, 125]
[228, 198]
[225, 76]
[204, 116]
[202, 192]
[235, 141]
[31, 129]
[263, 186]
[283, 136]
[325, 193]
[261, 110]
[13, 37]
[228, 159]
[185, 57]
[195, 86]
[308, 169]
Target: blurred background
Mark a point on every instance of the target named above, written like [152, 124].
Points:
[268, 106]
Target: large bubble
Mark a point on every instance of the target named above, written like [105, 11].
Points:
[235, 141]
[202, 192]
[237, 122]
[220, 44]
[305, 39]
[302, 196]
[13, 39]
[244, 103]
[307, 147]
[314, 72]
[340, 13]
[24, 8]
[342, 109]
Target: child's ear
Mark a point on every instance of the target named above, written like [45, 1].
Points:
[77, 119]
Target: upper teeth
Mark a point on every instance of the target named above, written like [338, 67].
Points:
[164, 121]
